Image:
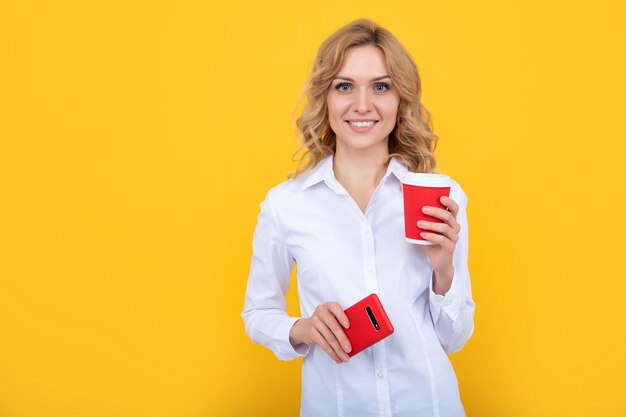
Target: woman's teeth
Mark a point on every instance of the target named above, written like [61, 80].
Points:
[362, 124]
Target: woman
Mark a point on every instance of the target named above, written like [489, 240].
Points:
[340, 220]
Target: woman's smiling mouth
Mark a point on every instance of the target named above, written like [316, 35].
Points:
[362, 126]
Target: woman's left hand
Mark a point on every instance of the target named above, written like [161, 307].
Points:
[440, 254]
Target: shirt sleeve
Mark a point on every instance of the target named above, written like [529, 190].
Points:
[265, 317]
[453, 313]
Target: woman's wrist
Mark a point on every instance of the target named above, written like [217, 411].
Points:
[293, 338]
[442, 281]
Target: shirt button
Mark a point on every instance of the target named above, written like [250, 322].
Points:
[379, 375]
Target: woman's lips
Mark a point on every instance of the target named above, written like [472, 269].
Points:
[362, 129]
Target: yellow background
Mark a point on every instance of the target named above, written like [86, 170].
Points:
[137, 140]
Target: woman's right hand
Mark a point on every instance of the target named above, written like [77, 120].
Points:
[324, 328]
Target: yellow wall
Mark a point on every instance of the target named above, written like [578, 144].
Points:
[137, 140]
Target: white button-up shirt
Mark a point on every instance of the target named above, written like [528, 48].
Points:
[342, 254]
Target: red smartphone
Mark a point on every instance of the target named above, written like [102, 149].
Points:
[368, 324]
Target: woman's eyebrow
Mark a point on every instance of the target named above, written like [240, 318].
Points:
[382, 77]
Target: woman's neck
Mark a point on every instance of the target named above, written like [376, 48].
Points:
[360, 169]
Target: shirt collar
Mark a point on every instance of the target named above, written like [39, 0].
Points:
[324, 172]
[397, 168]
[319, 172]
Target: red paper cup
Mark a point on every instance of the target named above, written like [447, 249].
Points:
[421, 190]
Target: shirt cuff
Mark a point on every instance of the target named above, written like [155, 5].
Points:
[287, 350]
[450, 303]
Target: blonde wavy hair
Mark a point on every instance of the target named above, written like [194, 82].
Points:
[412, 140]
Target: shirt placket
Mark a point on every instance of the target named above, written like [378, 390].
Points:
[371, 284]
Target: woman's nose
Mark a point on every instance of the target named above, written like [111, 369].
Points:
[363, 101]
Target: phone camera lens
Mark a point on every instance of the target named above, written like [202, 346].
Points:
[370, 314]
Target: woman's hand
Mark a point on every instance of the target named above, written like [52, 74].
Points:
[323, 328]
[440, 254]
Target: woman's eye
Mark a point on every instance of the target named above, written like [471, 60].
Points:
[340, 87]
[382, 87]
[379, 88]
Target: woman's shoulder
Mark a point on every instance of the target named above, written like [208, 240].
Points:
[457, 193]
[284, 189]
[293, 187]
[287, 190]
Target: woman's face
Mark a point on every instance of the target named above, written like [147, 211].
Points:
[362, 92]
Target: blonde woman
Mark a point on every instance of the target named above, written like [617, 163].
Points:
[340, 220]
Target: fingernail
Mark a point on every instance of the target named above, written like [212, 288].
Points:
[345, 324]
[421, 223]
[347, 348]
[346, 358]
[426, 209]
